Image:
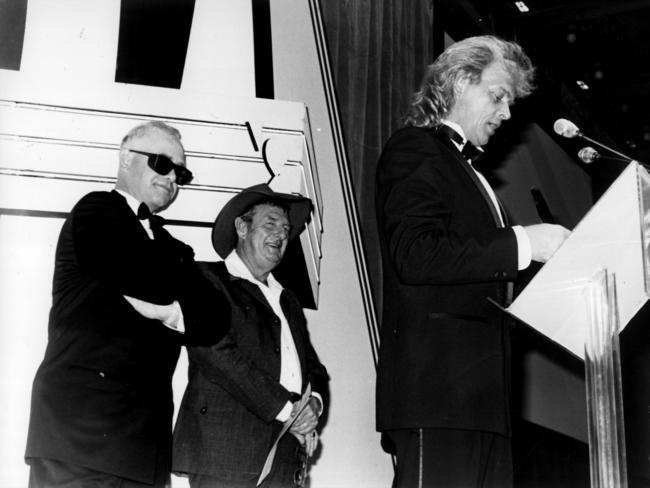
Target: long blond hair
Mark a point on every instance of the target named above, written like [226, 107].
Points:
[466, 58]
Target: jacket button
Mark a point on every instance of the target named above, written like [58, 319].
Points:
[276, 321]
[204, 410]
[102, 374]
[277, 350]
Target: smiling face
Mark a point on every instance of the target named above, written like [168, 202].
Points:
[138, 179]
[262, 241]
[481, 107]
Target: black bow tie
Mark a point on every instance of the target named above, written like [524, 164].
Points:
[155, 222]
[470, 152]
[144, 212]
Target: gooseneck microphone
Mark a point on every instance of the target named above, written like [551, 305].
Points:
[566, 128]
[588, 155]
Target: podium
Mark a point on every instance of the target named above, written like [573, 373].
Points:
[586, 294]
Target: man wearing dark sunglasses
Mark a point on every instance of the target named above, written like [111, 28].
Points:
[152, 176]
[102, 398]
[162, 165]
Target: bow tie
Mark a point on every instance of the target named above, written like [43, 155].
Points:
[470, 152]
[155, 222]
[144, 212]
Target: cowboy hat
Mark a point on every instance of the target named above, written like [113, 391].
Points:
[224, 236]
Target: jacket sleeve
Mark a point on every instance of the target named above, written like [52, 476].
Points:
[206, 309]
[415, 215]
[112, 249]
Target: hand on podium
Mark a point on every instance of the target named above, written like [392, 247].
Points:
[545, 239]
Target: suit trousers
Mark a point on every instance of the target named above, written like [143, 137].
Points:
[288, 470]
[451, 458]
[48, 473]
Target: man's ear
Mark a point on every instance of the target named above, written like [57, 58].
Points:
[460, 86]
[241, 227]
[125, 158]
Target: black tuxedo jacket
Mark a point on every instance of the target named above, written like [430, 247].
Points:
[443, 360]
[226, 424]
[102, 396]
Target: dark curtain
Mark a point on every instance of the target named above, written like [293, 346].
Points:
[378, 51]
[13, 14]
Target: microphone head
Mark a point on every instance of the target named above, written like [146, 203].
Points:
[588, 154]
[565, 128]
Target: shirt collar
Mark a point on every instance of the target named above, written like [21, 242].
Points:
[460, 132]
[236, 267]
[457, 128]
[131, 201]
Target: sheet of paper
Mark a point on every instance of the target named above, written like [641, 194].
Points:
[609, 237]
[266, 469]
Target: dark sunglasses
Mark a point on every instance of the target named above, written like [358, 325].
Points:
[162, 165]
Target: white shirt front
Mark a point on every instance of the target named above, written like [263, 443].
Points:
[290, 371]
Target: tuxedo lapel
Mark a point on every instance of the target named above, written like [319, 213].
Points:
[479, 186]
[504, 215]
[128, 216]
[167, 246]
[472, 175]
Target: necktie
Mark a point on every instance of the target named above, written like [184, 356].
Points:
[470, 152]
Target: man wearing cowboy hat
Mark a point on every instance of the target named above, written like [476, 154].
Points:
[244, 389]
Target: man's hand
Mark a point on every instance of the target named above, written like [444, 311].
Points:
[309, 442]
[304, 427]
[545, 240]
[169, 315]
[307, 419]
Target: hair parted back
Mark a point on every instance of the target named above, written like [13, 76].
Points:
[466, 58]
[148, 127]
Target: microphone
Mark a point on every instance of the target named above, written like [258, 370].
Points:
[588, 154]
[566, 128]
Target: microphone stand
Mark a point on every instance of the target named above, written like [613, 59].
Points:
[568, 129]
[607, 148]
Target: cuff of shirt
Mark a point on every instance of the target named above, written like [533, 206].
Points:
[285, 413]
[524, 251]
[175, 320]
